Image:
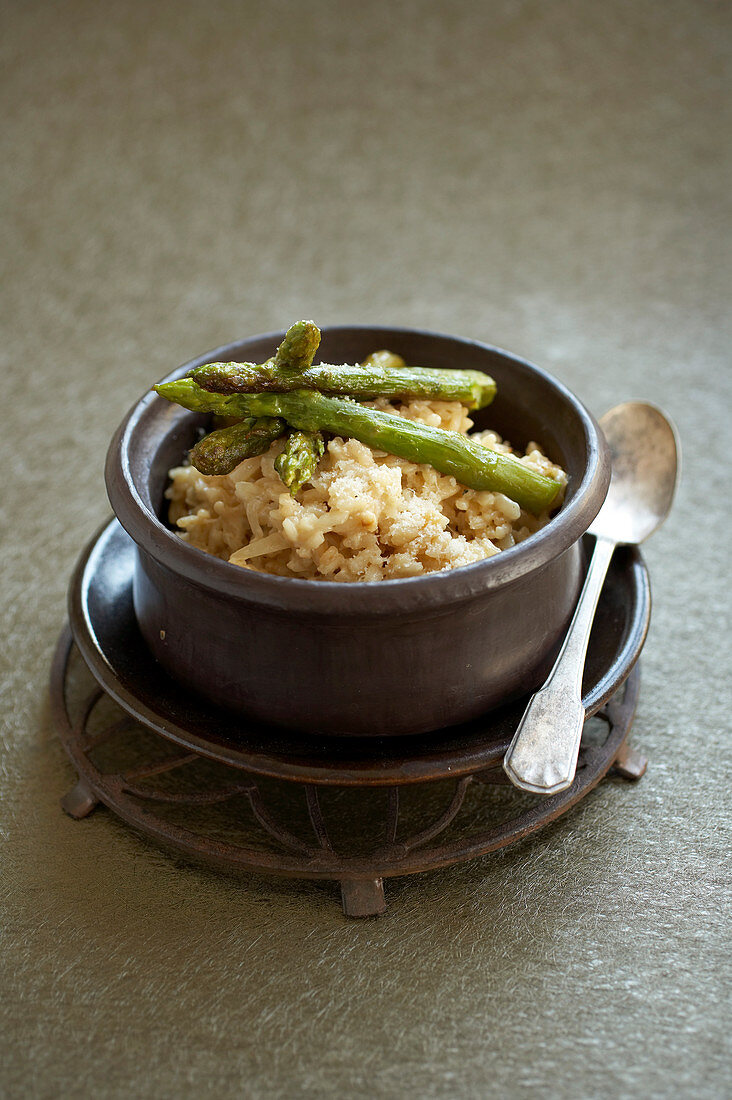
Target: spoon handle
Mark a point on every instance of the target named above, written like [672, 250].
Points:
[543, 754]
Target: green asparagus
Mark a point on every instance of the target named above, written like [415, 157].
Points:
[373, 378]
[298, 348]
[223, 450]
[297, 463]
[451, 453]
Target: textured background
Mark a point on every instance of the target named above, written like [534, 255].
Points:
[553, 178]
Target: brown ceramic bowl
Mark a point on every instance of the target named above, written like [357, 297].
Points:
[392, 657]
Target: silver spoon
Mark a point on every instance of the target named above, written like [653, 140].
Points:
[645, 459]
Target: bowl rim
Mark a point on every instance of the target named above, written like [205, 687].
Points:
[437, 589]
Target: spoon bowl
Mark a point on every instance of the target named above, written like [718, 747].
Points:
[644, 451]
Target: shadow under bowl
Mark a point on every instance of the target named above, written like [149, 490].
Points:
[359, 659]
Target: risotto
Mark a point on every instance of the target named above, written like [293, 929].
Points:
[365, 515]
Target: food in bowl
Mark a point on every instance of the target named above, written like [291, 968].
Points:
[402, 656]
[384, 479]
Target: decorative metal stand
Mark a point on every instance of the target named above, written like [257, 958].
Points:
[132, 770]
[238, 795]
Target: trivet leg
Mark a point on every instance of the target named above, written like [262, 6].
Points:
[363, 897]
[80, 801]
[629, 763]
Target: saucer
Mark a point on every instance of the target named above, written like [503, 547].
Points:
[105, 630]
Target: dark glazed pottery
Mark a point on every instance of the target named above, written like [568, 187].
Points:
[390, 658]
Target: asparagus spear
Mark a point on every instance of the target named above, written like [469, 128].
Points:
[222, 451]
[297, 463]
[372, 378]
[452, 453]
[298, 348]
[381, 374]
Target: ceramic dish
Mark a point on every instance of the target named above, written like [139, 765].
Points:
[391, 658]
[102, 619]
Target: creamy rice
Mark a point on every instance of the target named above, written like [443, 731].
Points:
[366, 515]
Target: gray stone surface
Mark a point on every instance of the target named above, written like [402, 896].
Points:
[553, 178]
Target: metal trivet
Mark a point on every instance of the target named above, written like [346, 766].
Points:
[329, 827]
[237, 794]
